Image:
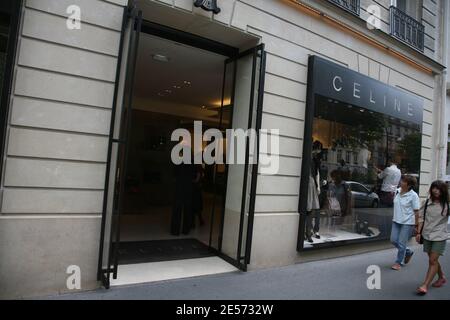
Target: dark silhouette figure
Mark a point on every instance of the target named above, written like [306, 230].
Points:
[182, 208]
[197, 196]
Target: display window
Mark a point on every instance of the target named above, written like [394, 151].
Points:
[360, 143]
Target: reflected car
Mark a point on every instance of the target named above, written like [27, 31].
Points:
[363, 196]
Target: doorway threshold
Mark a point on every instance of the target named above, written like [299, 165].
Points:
[169, 270]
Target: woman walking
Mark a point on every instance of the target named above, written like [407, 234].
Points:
[433, 234]
[406, 207]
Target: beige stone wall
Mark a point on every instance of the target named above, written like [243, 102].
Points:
[428, 15]
[57, 139]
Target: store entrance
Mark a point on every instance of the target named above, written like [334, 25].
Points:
[157, 210]
[172, 212]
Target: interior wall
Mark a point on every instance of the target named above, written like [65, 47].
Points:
[143, 162]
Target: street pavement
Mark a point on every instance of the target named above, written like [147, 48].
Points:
[339, 278]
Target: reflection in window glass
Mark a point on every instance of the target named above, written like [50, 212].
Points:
[339, 155]
[350, 198]
[348, 155]
[448, 150]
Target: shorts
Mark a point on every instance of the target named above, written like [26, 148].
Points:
[434, 246]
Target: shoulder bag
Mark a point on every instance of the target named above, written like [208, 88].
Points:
[423, 224]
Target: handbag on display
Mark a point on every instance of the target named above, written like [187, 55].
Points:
[362, 227]
[334, 206]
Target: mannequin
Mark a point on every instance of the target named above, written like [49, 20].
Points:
[313, 203]
[363, 157]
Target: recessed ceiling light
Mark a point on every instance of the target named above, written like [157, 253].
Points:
[176, 87]
[203, 107]
[168, 91]
[161, 58]
[187, 82]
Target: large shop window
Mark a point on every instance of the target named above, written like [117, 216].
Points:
[360, 136]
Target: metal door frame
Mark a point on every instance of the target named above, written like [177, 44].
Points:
[240, 261]
[133, 15]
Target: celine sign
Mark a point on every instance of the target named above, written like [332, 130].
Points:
[337, 82]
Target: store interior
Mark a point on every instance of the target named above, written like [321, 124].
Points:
[351, 146]
[187, 88]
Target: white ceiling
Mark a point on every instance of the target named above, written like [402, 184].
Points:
[202, 69]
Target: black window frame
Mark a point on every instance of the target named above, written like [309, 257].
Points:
[316, 87]
[347, 6]
[417, 40]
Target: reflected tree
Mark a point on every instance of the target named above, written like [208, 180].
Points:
[411, 147]
[362, 129]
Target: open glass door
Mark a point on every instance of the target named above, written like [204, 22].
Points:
[118, 147]
[242, 105]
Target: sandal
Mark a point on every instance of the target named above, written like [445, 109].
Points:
[439, 283]
[422, 291]
[408, 258]
[396, 267]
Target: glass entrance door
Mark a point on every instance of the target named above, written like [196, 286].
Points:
[242, 106]
[118, 147]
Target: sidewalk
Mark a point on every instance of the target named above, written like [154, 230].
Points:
[341, 278]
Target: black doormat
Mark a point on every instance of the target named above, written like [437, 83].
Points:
[162, 250]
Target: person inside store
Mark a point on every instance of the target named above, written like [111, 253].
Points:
[391, 177]
[185, 174]
[432, 232]
[406, 206]
[197, 194]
